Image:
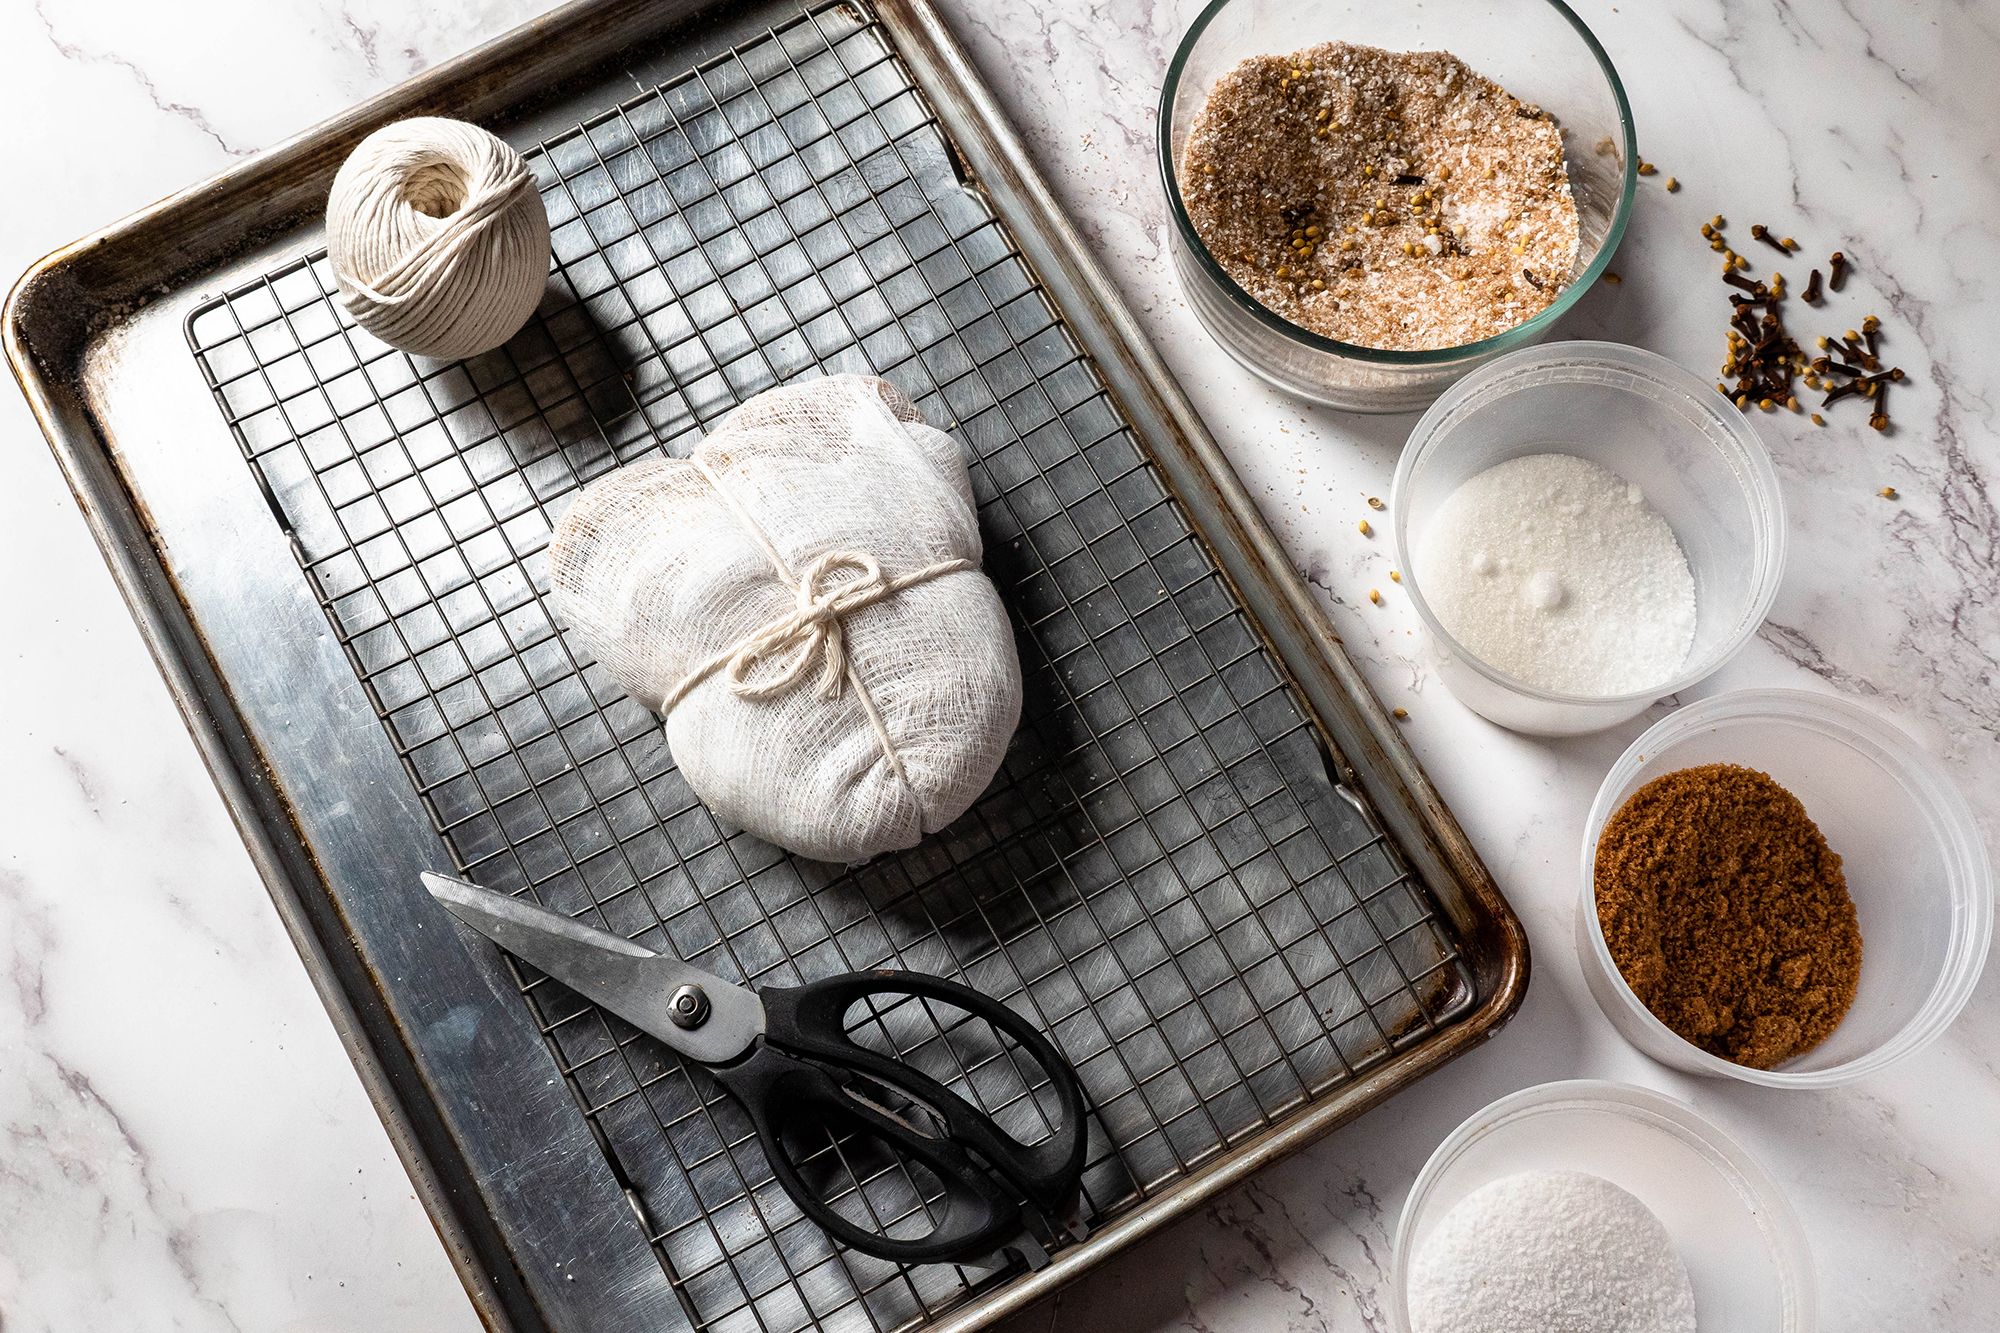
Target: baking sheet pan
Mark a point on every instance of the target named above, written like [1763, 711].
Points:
[1210, 866]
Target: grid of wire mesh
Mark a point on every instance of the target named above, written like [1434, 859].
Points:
[1162, 876]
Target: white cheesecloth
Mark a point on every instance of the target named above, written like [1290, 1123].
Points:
[438, 238]
[802, 600]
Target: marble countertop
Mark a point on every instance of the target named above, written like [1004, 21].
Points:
[185, 1145]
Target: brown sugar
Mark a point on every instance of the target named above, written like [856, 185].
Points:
[1391, 200]
[1727, 913]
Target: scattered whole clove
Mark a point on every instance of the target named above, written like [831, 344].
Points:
[1764, 359]
[1758, 231]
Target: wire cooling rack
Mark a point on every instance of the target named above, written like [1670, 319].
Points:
[1162, 876]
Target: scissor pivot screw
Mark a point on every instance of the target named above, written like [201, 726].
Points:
[689, 1007]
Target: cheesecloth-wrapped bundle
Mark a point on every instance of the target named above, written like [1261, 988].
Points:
[801, 598]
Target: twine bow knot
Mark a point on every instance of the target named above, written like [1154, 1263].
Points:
[812, 631]
[814, 628]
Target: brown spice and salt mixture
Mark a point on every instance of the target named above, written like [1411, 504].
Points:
[1727, 913]
[1392, 200]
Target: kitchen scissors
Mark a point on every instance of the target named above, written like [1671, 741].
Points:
[784, 1054]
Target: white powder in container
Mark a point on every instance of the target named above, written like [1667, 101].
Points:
[1556, 571]
[1550, 1252]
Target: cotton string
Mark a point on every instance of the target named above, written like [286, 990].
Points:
[812, 629]
[438, 238]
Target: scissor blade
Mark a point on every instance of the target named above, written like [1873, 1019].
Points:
[632, 982]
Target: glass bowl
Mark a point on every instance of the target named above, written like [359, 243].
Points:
[1912, 855]
[1536, 49]
[1745, 1252]
[1694, 455]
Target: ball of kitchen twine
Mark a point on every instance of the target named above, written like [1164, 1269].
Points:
[438, 238]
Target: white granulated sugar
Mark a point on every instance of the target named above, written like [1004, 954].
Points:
[1550, 1252]
[1558, 572]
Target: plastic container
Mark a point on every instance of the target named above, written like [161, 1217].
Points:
[1655, 424]
[1915, 867]
[1745, 1252]
[1536, 49]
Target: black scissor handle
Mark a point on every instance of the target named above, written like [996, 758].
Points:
[779, 1090]
[809, 1021]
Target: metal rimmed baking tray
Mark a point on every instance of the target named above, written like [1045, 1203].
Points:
[1210, 867]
